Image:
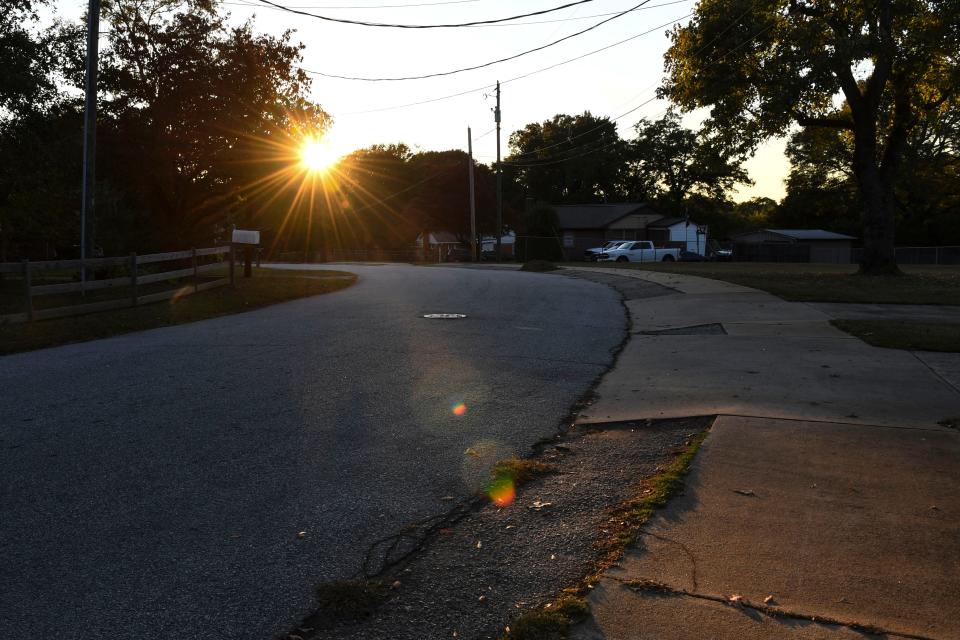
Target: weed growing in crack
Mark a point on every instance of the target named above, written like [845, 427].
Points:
[509, 474]
[552, 622]
[349, 600]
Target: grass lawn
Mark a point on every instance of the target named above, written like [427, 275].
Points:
[920, 284]
[904, 334]
[268, 286]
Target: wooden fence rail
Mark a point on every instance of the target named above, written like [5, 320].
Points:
[134, 279]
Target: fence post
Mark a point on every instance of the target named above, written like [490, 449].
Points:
[27, 286]
[233, 260]
[196, 273]
[133, 279]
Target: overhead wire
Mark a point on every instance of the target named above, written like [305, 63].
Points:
[734, 22]
[515, 78]
[486, 64]
[370, 6]
[549, 162]
[390, 25]
[254, 4]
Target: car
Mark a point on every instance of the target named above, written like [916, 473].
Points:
[639, 251]
[722, 255]
[592, 255]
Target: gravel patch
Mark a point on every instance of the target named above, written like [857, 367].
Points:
[629, 288]
[473, 574]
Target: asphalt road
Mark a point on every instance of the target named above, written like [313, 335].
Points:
[152, 485]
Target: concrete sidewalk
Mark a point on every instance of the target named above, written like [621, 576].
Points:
[826, 483]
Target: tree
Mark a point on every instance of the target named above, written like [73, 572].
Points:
[568, 160]
[763, 66]
[667, 160]
[29, 57]
[39, 127]
[822, 189]
[201, 122]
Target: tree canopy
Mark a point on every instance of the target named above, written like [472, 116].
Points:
[764, 66]
[568, 159]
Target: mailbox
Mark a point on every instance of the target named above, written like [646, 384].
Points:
[248, 240]
[244, 236]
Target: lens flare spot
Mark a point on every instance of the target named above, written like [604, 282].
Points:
[502, 491]
[459, 409]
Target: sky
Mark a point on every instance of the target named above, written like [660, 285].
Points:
[620, 81]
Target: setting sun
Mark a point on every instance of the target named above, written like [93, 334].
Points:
[317, 155]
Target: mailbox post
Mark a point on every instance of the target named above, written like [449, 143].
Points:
[248, 241]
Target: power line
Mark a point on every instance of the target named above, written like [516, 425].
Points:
[486, 64]
[374, 6]
[253, 4]
[514, 79]
[734, 22]
[549, 162]
[365, 23]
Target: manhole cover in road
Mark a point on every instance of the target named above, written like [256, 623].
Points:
[444, 316]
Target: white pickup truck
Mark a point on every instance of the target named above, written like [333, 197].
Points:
[639, 251]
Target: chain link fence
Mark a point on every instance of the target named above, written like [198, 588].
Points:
[921, 255]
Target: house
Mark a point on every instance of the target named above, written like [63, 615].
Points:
[584, 226]
[793, 245]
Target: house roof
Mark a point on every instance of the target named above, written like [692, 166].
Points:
[664, 223]
[443, 237]
[803, 234]
[596, 216]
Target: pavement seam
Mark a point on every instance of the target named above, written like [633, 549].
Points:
[935, 372]
[686, 550]
[821, 421]
[645, 585]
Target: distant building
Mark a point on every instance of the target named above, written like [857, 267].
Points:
[793, 245]
[585, 226]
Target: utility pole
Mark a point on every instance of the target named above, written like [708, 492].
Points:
[473, 202]
[496, 117]
[87, 222]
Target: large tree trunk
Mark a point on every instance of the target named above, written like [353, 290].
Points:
[878, 215]
[878, 218]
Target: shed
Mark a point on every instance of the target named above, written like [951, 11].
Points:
[682, 232]
[793, 245]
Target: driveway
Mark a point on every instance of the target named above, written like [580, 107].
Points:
[153, 485]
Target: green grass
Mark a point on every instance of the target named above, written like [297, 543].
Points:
[905, 334]
[920, 284]
[268, 286]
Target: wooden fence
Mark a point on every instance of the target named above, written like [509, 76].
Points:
[133, 281]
